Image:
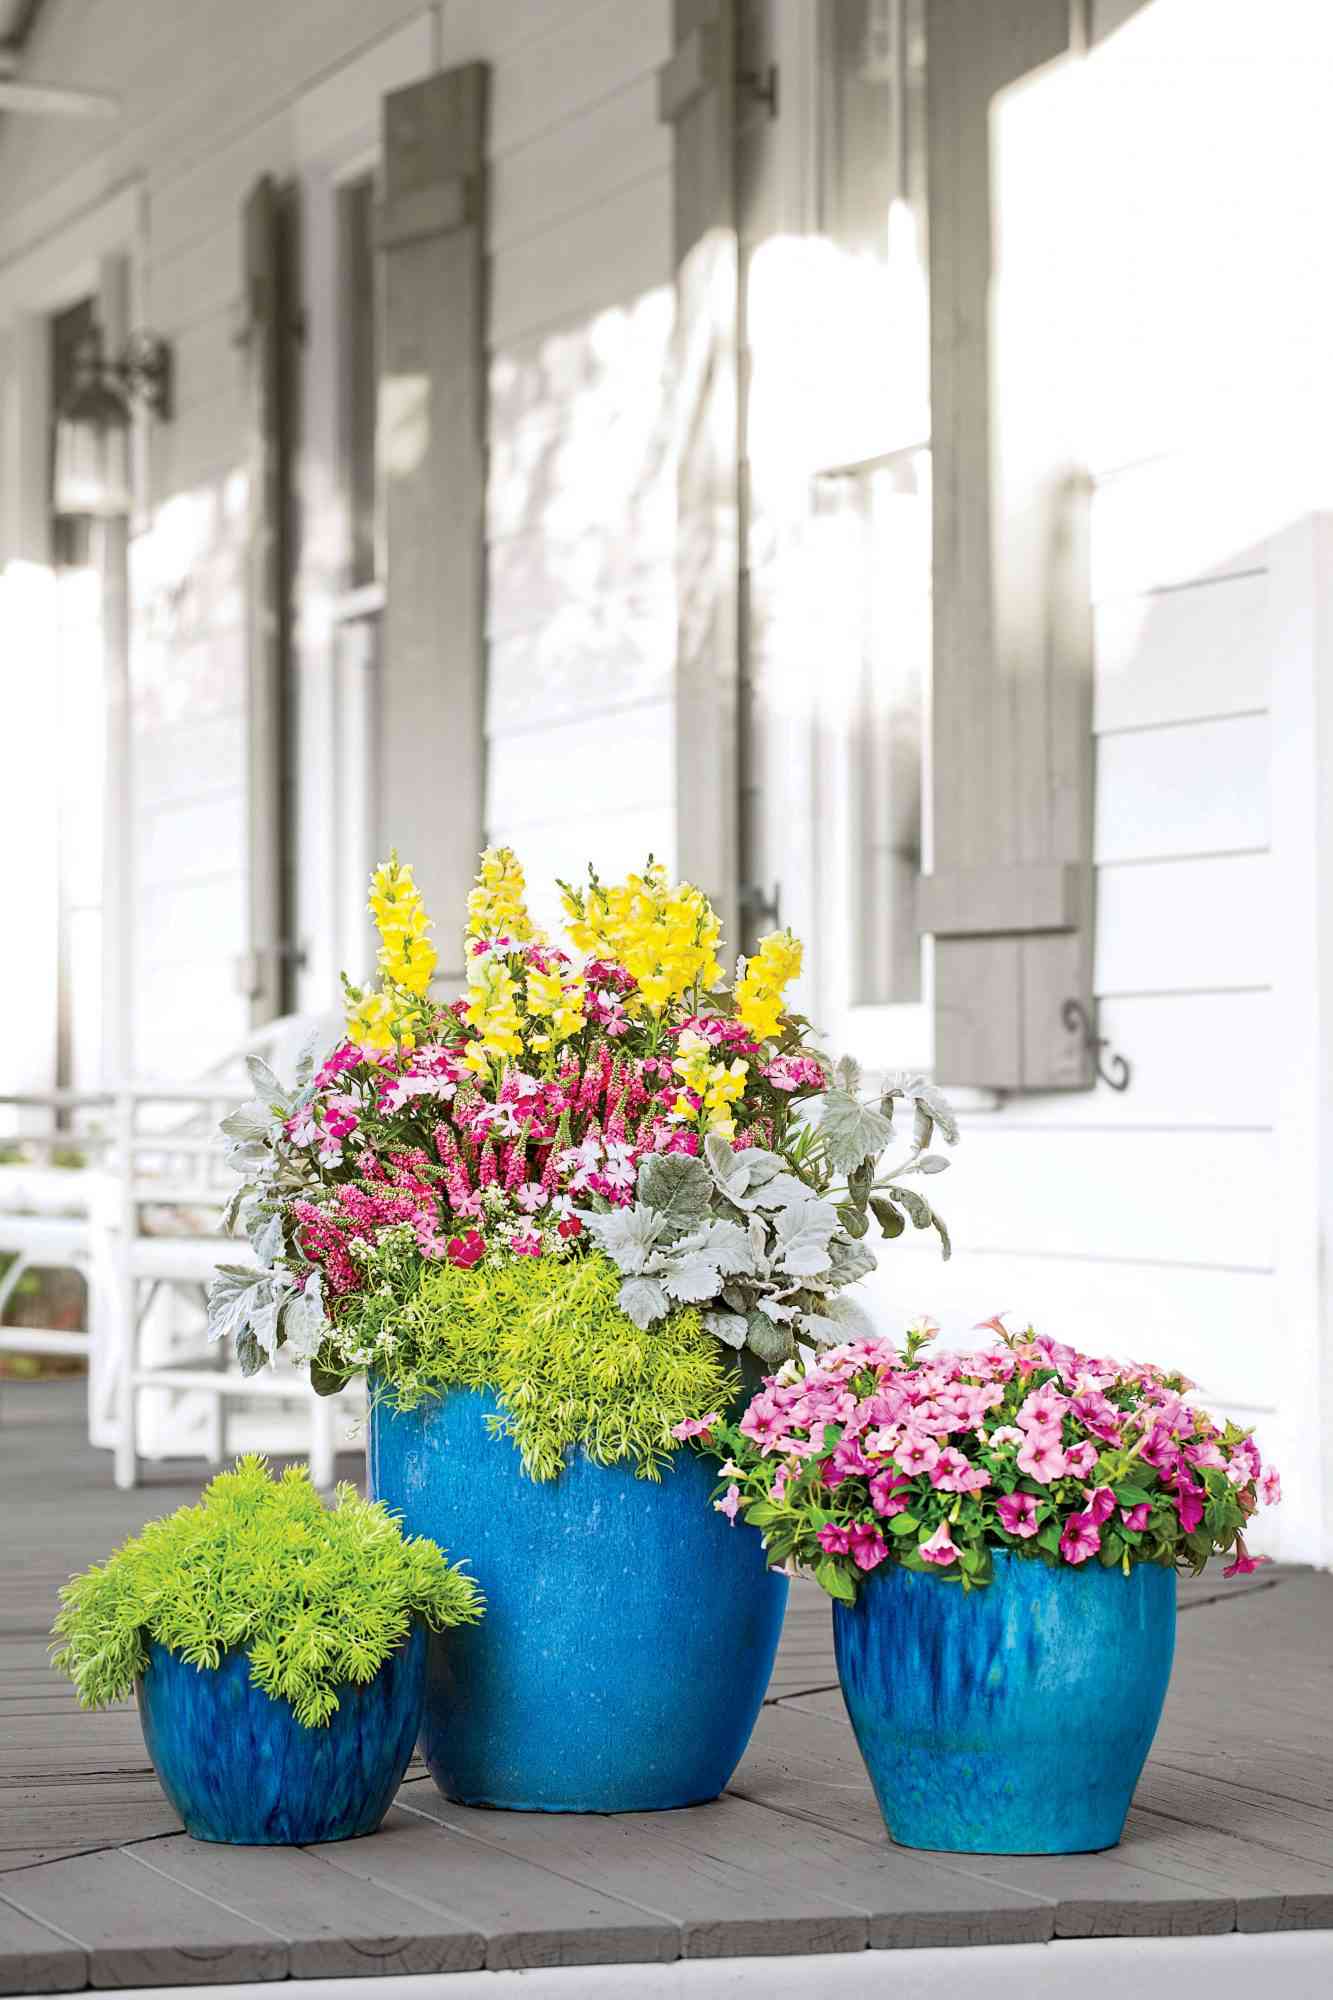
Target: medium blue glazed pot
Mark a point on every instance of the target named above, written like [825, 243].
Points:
[629, 1631]
[239, 1767]
[1015, 1719]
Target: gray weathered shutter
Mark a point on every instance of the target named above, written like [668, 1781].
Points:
[268, 336]
[1010, 897]
[431, 234]
[696, 96]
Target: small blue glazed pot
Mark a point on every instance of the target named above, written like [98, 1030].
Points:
[629, 1631]
[239, 1767]
[1015, 1719]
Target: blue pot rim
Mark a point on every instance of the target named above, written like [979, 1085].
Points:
[259, 1693]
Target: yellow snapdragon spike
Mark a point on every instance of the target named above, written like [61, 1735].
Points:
[370, 1022]
[497, 906]
[492, 1007]
[664, 936]
[760, 988]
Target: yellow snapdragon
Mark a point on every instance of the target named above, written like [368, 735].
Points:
[760, 988]
[370, 1022]
[559, 997]
[665, 936]
[717, 1084]
[407, 959]
[492, 1011]
[497, 906]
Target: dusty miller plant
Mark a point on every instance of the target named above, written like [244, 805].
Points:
[767, 1244]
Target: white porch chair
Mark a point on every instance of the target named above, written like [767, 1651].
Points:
[46, 1209]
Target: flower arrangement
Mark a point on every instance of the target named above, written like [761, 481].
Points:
[617, 1104]
[316, 1596]
[867, 1454]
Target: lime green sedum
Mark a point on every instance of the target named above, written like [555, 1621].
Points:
[566, 1365]
[315, 1595]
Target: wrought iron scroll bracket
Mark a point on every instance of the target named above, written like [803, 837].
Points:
[1113, 1070]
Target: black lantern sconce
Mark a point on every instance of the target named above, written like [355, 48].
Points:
[93, 470]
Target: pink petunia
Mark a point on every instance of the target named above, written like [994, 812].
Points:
[917, 1452]
[834, 1541]
[890, 1492]
[950, 1471]
[1042, 1456]
[867, 1546]
[1081, 1538]
[1189, 1504]
[1270, 1486]
[1081, 1457]
[1101, 1504]
[695, 1427]
[1008, 1434]
[1018, 1514]
[1136, 1517]
[1244, 1562]
[729, 1504]
[939, 1549]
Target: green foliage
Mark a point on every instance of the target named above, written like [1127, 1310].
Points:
[550, 1339]
[316, 1596]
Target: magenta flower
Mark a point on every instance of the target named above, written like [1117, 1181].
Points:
[1018, 1514]
[729, 1504]
[846, 1461]
[1189, 1503]
[866, 1545]
[1081, 1457]
[1270, 1486]
[950, 1472]
[1042, 1456]
[889, 1492]
[1101, 1504]
[1081, 1538]
[939, 1549]
[1244, 1563]
[695, 1427]
[467, 1250]
[834, 1541]
[1136, 1517]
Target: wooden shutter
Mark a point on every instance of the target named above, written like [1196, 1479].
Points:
[431, 444]
[696, 96]
[269, 341]
[1010, 897]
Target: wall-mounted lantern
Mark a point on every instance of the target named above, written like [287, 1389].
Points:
[93, 473]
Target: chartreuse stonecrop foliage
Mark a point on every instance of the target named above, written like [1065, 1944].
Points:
[316, 1596]
[551, 1342]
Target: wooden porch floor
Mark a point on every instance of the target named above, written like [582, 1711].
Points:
[1232, 1829]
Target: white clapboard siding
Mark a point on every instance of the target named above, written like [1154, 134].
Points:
[1175, 1197]
[1184, 926]
[1191, 788]
[1178, 519]
[1201, 1060]
[613, 144]
[583, 55]
[605, 255]
[603, 763]
[1176, 655]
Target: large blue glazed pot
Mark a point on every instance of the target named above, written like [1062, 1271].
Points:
[629, 1631]
[1015, 1719]
[239, 1767]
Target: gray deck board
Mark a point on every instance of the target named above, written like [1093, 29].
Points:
[1232, 1827]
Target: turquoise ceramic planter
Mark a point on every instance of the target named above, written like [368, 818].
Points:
[239, 1767]
[1015, 1719]
[629, 1631]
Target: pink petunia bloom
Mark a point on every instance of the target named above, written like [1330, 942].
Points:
[729, 1504]
[834, 1541]
[1101, 1504]
[695, 1427]
[1043, 1409]
[1270, 1486]
[917, 1452]
[1189, 1503]
[1081, 1538]
[1042, 1456]
[763, 1425]
[1081, 1457]
[1007, 1434]
[846, 1462]
[782, 1478]
[1018, 1514]
[1136, 1517]
[950, 1471]
[866, 1546]
[1244, 1562]
[939, 1549]
[889, 1493]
